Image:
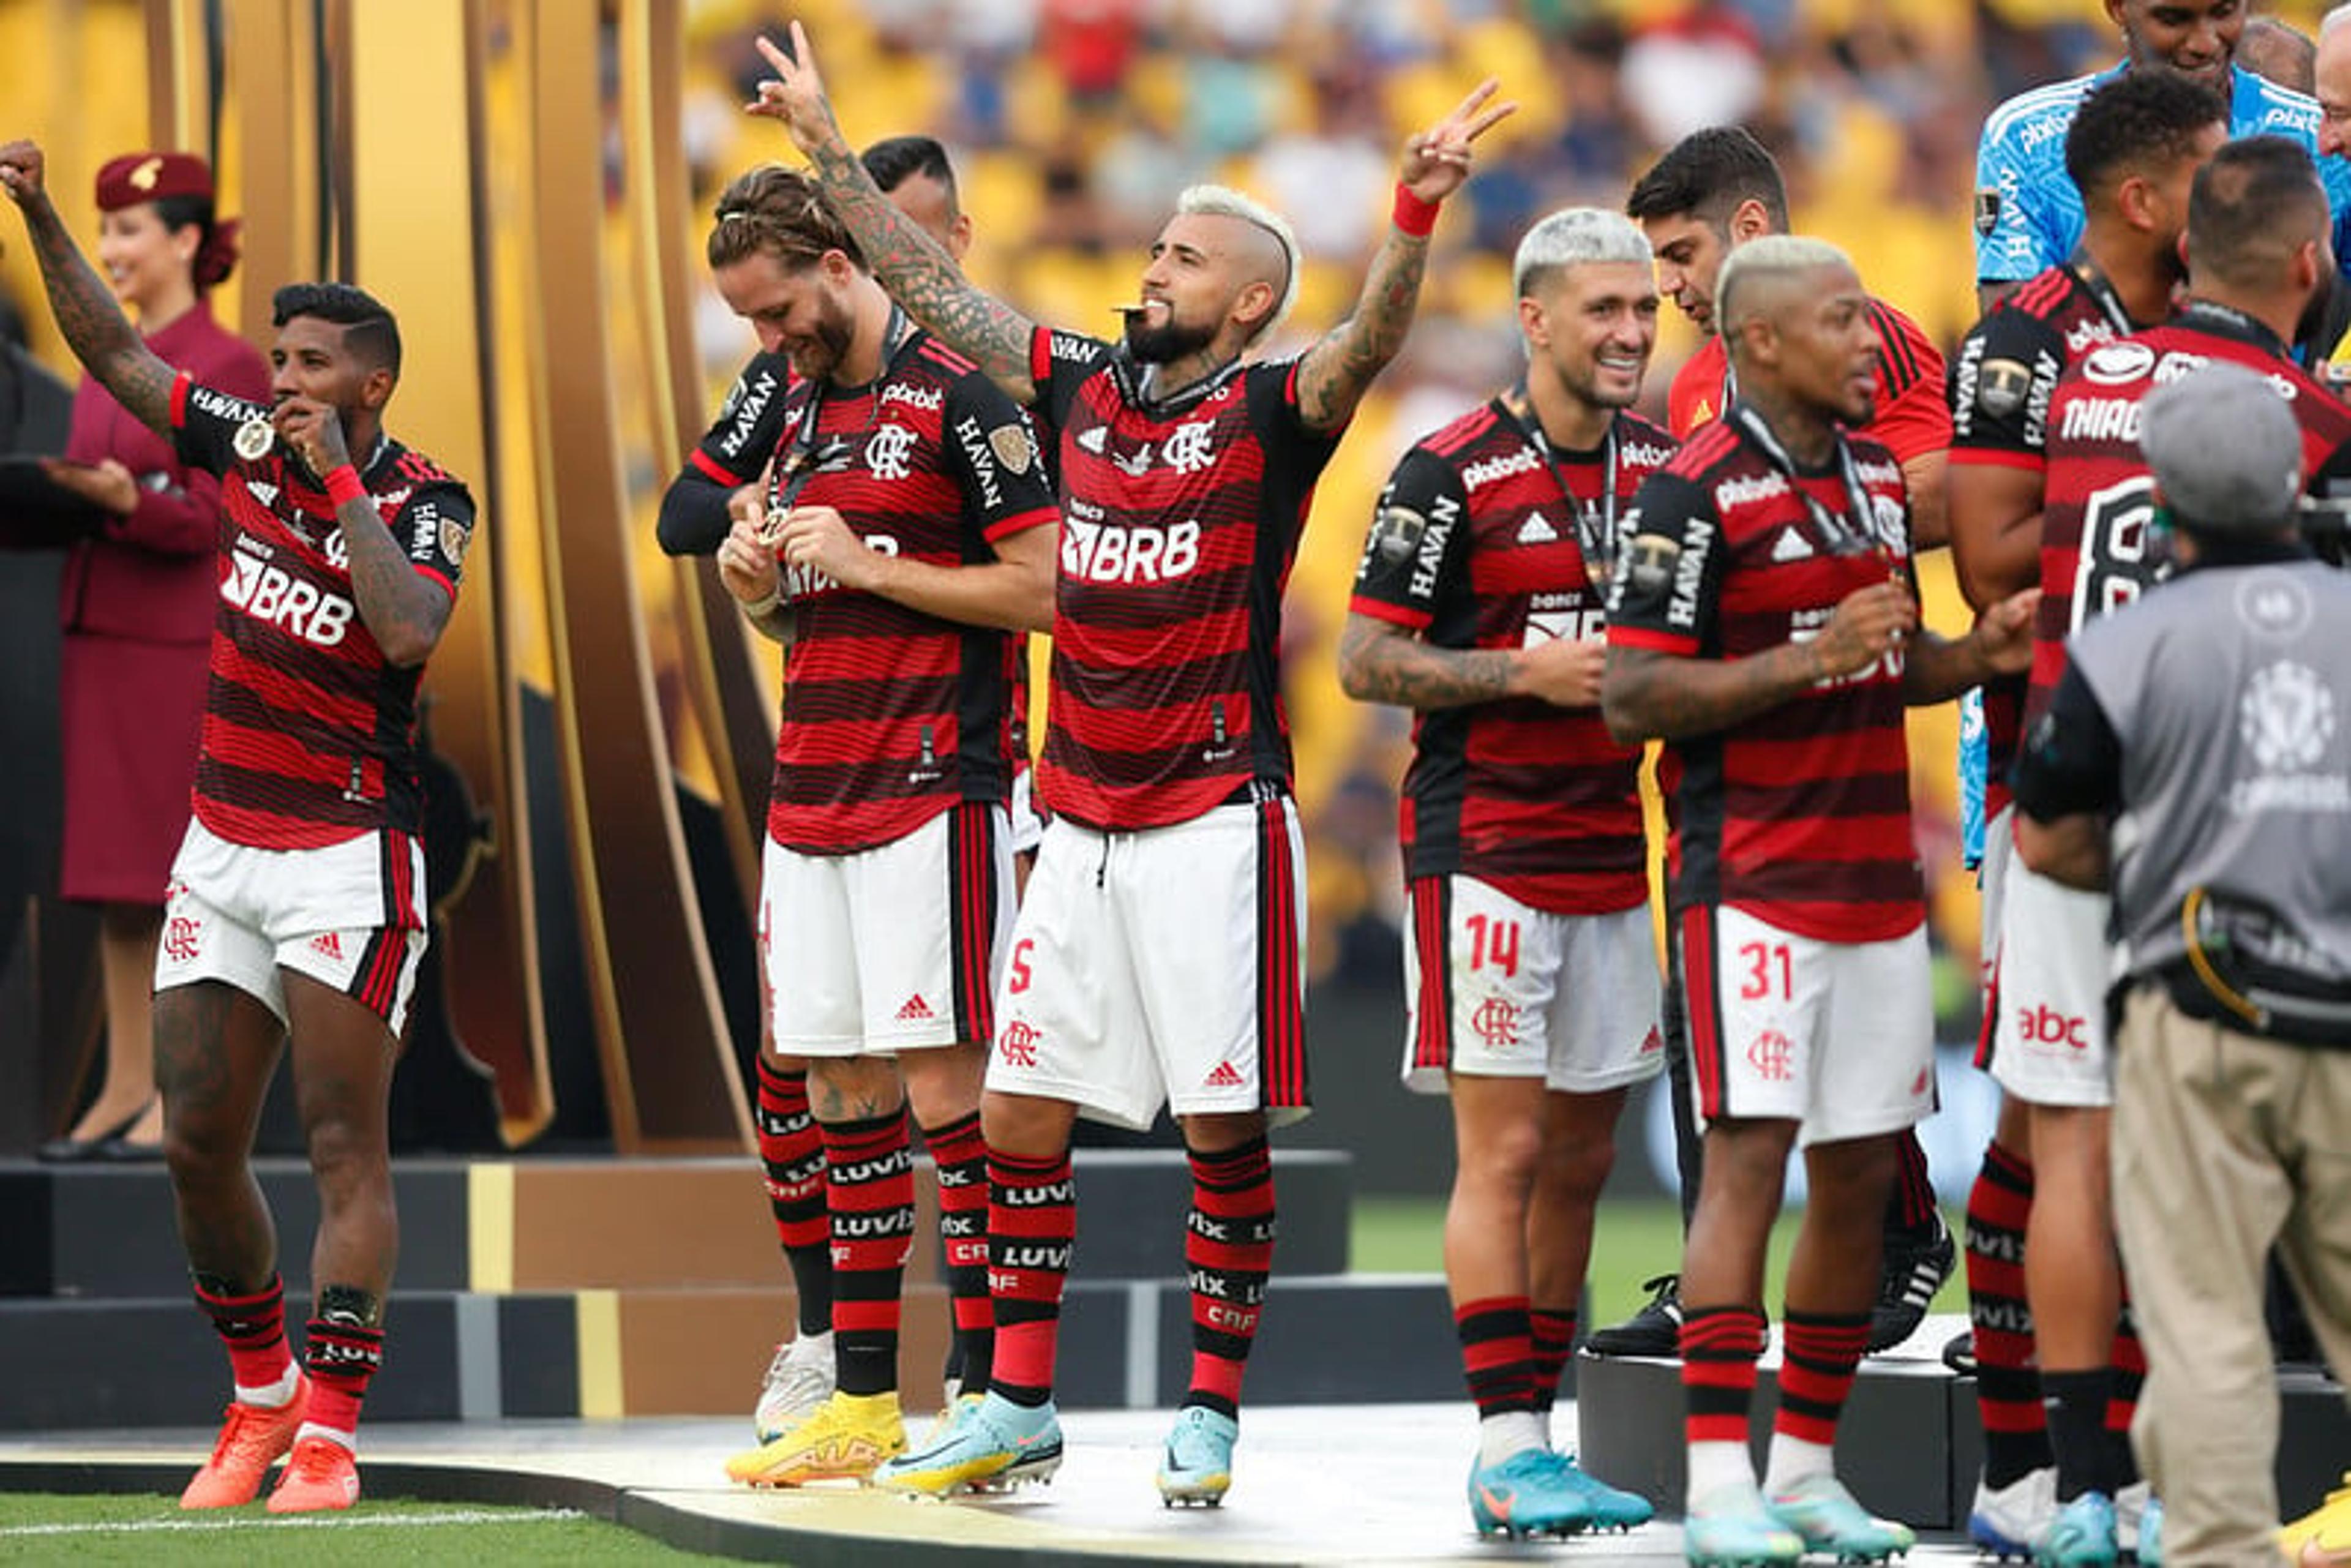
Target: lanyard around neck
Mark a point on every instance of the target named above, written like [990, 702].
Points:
[1596, 523]
[1854, 533]
[805, 458]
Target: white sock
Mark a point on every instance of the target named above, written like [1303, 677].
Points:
[1715, 1467]
[272, 1395]
[1792, 1459]
[347, 1442]
[1505, 1433]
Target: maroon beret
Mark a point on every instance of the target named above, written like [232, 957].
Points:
[137, 177]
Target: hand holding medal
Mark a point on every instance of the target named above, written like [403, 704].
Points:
[312, 430]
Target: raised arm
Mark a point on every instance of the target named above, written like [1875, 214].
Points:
[405, 611]
[917, 271]
[1335, 372]
[101, 336]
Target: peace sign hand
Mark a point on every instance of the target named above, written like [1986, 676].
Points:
[1437, 161]
[795, 94]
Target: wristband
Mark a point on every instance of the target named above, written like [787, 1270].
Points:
[755, 608]
[1413, 215]
[343, 487]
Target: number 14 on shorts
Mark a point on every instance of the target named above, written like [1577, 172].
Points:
[1493, 943]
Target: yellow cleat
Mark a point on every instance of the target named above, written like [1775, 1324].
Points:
[848, 1438]
[2322, 1536]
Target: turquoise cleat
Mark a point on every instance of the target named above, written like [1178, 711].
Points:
[2081, 1536]
[1820, 1509]
[1731, 1528]
[1195, 1468]
[2150, 1535]
[985, 1447]
[1610, 1509]
[1533, 1492]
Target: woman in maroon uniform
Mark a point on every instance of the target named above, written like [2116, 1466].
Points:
[137, 608]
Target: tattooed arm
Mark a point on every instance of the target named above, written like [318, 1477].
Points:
[93, 325]
[1335, 372]
[1380, 661]
[917, 271]
[405, 611]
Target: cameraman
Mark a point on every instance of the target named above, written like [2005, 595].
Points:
[2195, 758]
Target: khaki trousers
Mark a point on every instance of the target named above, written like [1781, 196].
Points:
[2222, 1144]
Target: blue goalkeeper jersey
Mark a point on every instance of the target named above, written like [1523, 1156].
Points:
[2028, 212]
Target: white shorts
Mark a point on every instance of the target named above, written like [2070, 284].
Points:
[350, 916]
[1498, 989]
[1027, 822]
[1837, 1036]
[1166, 966]
[2049, 1044]
[891, 948]
[1991, 901]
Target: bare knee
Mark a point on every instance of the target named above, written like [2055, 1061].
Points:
[854, 1088]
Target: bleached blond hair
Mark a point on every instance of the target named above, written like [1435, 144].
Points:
[1223, 202]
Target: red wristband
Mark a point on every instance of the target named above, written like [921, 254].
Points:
[343, 484]
[1413, 215]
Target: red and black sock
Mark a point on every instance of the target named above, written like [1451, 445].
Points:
[2008, 1384]
[1553, 1340]
[960, 1157]
[1228, 1253]
[1819, 1354]
[869, 1187]
[342, 1353]
[253, 1328]
[1910, 1212]
[1032, 1220]
[2122, 1403]
[792, 1150]
[1719, 1348]
[1497, 1353]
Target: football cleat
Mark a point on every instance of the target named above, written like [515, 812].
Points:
[1655, 1330]
[1906, 1284]
[2082, 1535]
[1196, 1467]
[252, 1438]
[1611, 1507]
[1731, 1528]
[1825, 1515]
[800, 1379]
[321, 1477]
[2006, 1520]
[994, 1444]
[2322, 1536]
[1528, 1494]
[846, 1440]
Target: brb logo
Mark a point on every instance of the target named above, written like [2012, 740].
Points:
[2045, 1025]
[1017, 1044]
[266, 593]
[1773, 1057]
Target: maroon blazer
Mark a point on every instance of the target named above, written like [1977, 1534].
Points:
[152, 575]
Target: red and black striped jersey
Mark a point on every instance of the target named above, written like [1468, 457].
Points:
[1477, 544]
[750, 423]
[1180, 519]
[892, 715]
[1800, 815]
[2099, 549]
[1911, 419]
[2002, 380]
[309, 733]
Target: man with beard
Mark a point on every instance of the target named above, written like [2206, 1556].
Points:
[724, 470]
[1159, 954]
[2133, 149]
[2258, 262]
[296, 904]
[1531, 972]
[907, 531]
[1764, 623]
[2029, 212]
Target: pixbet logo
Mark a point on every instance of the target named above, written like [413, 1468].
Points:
[2045, 1025]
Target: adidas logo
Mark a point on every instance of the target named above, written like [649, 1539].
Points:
[1226, 1076]
[915, 1009]
[1791, 545]
[1537, 530]
[1093, 440]
[265, 494]
[329, 943]
[1653, 1042]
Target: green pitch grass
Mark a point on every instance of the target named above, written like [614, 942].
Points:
[1638, 1239]
[143, 1532]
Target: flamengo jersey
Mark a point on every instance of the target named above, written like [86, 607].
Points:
[309, 735]
[1801, 815]
[1475, 546]
[1911, 418]
[2098, 551]
[1179, 522]
[2028, 211]
[892, 715]
[2002, 384]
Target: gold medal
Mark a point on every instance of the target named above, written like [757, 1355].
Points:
[254, 437]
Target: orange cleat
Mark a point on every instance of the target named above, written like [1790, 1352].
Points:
[321, 1477]
[252, 1438]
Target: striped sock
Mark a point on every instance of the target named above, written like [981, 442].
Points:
[1228, 1253]
[1719, 1348]
[253, 1328]
[342, 1358]
[2130, 1376]
[870, 1195]
[960, 1155]
[792, 1151]
[1552, 1335]
[1497, 1355]
[2008, 1384]
[1819, 1354]
[1032, 1220]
